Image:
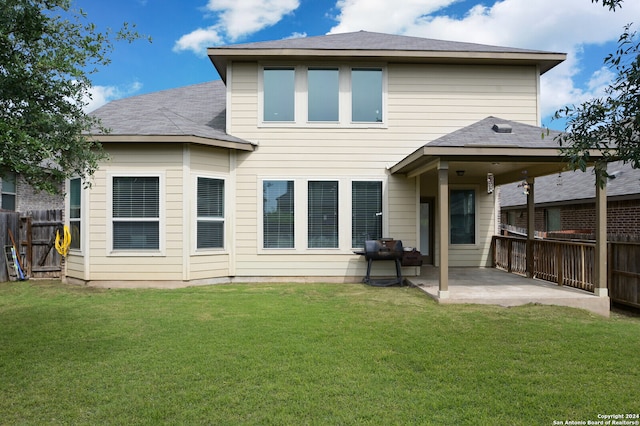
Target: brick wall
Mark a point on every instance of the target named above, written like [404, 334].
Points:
[28, 199]
[623, 217]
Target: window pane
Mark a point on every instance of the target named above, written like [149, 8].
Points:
[323, 214]
[366, 95]
[75, 212]
[210, 197]
[74, 229]
[136, 235]
[279, 94]
[136, 197]
[210, 234]
[9, 183]
[463, 217]
[323, 94]
[278, 214]
[8, 202]
[74, 198]
[366, 212]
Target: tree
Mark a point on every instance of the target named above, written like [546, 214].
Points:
[47, 53]
[611, 123]
[611, 4]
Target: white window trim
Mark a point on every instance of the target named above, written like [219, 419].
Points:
[344, 100]
[476, 189]
[301, 206]
[83, 215]
[195, 251]
[161, 252]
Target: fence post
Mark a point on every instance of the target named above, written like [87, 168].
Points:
[559, 264]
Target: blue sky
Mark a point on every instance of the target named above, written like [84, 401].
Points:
[182, 29]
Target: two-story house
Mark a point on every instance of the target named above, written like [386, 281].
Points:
[302, 151]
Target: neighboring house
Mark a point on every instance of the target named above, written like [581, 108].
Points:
[18, 195]
[302, 151]
[565, 202]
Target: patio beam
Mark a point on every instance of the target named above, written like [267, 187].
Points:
[531, 225]
[443, 229]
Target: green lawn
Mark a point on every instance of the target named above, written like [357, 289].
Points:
[304, 354]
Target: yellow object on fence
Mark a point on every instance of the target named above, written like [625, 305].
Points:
[62, 245]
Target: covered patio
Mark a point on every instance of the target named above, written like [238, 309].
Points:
[490, 286]
[459, 174]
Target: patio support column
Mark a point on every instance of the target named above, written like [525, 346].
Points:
[531, 225]
[600, 267]
[443, 228]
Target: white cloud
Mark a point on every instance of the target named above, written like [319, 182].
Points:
[100, 95]
[235, 19]
[384, 16]
[553, 25]
[198, 40]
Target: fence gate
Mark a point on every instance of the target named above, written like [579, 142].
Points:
[34, 234]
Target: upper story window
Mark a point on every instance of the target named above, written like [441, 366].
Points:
[366, 95]
[323, 94]
[279, 94]
[339, 96]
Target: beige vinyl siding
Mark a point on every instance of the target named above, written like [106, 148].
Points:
[74, 265]
[208, 162]
[138, 159]
[423, 103]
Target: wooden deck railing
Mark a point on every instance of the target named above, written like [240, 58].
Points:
[572, 263]
[562, 262]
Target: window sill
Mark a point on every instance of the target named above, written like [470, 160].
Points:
[136, 253]
[319, 125]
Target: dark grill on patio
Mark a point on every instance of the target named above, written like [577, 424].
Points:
[383, 249]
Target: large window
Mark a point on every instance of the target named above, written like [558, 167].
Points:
[463, 216]
[75, 212]
[210, 222]
[136, 213]
[366, 212]
[323, 92]
[366, 95]
[323, 96]
[9, 191]
[279, 94]
[323, 214]
[278, 212]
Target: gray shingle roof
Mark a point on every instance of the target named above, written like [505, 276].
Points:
[482, 133]
[574, 186]
[365, 40]
[197, 110]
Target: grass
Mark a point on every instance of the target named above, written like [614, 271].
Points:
[304, 354]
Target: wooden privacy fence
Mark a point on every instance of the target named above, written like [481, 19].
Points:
[572, 263]
[34, 234]
[623, 272]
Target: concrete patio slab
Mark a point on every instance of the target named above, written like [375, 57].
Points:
[495, 287]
